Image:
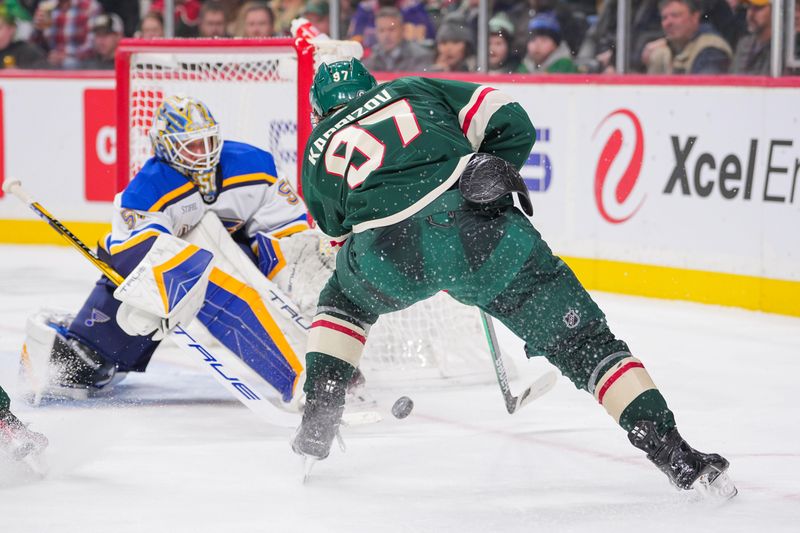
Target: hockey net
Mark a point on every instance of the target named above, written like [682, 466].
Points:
[258, 92]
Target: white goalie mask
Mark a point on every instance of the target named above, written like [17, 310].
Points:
[186, 136]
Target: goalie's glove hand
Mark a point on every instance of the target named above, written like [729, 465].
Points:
[307, 264]
[165, 289]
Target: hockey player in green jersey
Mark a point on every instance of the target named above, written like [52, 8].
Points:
[416, 179]
[15, 438]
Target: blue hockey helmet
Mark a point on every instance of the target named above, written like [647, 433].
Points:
[186, 136]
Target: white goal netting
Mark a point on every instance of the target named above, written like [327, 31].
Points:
[252, 91]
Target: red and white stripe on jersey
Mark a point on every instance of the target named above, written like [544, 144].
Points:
[621, 384]
[336, 337]
[474, 117]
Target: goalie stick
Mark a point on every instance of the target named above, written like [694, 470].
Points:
[535, 390]
[221, 365]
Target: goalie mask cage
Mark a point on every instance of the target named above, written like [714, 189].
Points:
[257, 89]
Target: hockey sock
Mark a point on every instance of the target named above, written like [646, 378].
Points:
[628, 394]
[320, 366]
[649, 405]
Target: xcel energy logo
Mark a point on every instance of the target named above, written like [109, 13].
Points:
[621, 152]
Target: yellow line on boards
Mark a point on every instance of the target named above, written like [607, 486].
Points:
[749, 292]
[39, 232]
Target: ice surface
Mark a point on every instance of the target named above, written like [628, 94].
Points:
[170, 451]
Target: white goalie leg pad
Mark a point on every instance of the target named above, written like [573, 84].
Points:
[165, 289]
[34, 367]
[290, 330]
[211, 235]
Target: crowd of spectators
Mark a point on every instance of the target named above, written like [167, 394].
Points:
[524, 36]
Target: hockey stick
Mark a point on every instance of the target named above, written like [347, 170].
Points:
[221, 365]
[535, 390]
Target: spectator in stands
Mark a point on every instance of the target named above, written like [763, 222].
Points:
[753, 51]
[502, 60]
[255, 20]
[318, 14]
[467, 10]
[187, 16]
[547, 52]
[417, 24]
[598, 50]
[213, 20]
[573, 23]
[392, 52]
[61, 28]
[151, 27]
[108, 30]
[14, 53]
[454, 46]
[285, 12]
[688, 46]
[128, 10]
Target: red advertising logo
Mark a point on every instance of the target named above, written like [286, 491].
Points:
[614, 186]
[2, 146]
[100, 144]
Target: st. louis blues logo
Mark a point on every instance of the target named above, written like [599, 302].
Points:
[130, 217]
[97, 317]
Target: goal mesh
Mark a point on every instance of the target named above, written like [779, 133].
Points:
[252, 90]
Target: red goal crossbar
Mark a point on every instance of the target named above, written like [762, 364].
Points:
[128, 47]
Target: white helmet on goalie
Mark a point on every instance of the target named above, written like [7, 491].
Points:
[186, 137]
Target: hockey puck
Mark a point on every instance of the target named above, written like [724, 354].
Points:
[402, 407]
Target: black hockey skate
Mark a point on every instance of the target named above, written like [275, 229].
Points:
[685, 467]
[320, 425]
[17, 440]
[55, 365]
[79, 366]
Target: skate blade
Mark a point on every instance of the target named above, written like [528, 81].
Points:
[719, 488]
[308, 465]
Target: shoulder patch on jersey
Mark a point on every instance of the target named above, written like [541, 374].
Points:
[130, 218]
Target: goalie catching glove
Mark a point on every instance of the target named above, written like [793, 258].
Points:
[165, 289]
[298, 264]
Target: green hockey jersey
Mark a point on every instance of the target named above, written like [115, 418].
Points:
[395, 149]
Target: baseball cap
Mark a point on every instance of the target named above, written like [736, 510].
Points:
[106, 23]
